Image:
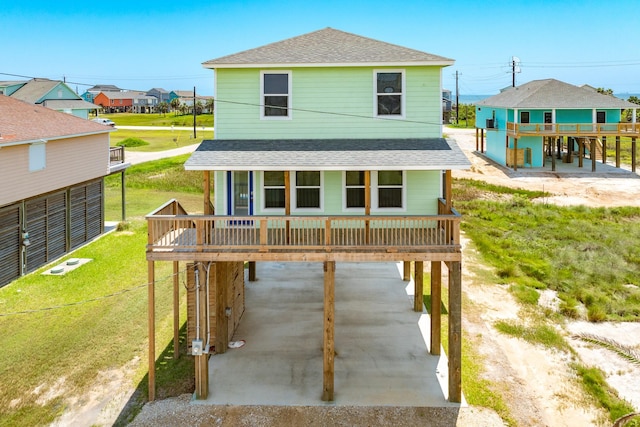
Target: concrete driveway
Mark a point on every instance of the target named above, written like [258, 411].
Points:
[381, 352]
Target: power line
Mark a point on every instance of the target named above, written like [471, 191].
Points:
[82, 302]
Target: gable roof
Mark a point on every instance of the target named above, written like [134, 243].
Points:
[327, 47]
[33, 90]
[72, 104]
[328, 154]
[551, 93]
[23, 122]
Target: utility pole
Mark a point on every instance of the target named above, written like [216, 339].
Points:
[194, 112]
[515, 68]
[457, 100]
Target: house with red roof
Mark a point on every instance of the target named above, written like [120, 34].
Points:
[52, 167]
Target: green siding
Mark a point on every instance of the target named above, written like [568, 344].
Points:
[327, 103]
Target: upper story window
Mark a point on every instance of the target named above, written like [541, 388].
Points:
[308, 190]
[524, 117]
[275, 87]
[389, 89]
[354, 195]
[601, 117]
[274, 189]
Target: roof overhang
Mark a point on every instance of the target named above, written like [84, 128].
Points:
[320, 65]
[328, 155]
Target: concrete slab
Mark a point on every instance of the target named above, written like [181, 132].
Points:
[381, 344]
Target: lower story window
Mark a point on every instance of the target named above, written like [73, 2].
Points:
[354, 183]
[274, 190]
[390, 189]
[307, 188]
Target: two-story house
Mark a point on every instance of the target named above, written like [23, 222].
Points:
[542, 121]
[52, 167]
[52, 94]
[328, 149]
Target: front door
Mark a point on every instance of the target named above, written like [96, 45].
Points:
[240, 185]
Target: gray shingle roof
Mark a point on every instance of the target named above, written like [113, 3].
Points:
[74, 104]
[328, 47]
[328, 154]
[33, 90]
[551, 93]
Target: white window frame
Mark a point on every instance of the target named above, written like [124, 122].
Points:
[37, 156]
[403, 95]
[374, 194]
[289, 97]
[344, 194]
[294, 195]
[263, 196]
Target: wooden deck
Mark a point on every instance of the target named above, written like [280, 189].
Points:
[181, 237]
[519, 130]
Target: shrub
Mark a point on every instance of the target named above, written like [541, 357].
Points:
[133, 142]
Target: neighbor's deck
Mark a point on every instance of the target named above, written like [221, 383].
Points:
[176, 236]
[595, 130]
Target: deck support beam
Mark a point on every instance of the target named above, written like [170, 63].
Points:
[176, 310]
[329, 331]
[436, 312]
[252, 269]
[515, 154]
[455, 331]
[418, 284]
[152, 329]
[593, 154]
[202, 360]
[406, 271]
[633, 154]
[617, 151]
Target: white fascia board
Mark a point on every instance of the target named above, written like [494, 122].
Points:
[53, 138]
[336, 64]
[332, 168]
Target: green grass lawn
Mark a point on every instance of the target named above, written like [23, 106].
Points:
[155, 119]
[159, 140]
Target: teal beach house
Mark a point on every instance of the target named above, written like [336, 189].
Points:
[542, 121]
[328, 148]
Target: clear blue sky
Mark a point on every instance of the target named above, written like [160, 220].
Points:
[140, 44]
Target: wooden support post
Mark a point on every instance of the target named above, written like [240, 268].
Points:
[482, 140]
[604, 150]
[633, 154]
[252, 268]
[418, 283]
[206, 184]
[176, 309]
[202, 361]
[406, 273]
[329, 331]
[553, 157]
[515, 154]
[455, 332]
[618, 151]
[367, 205]
[287, 204]
[570, 142]
[593, 155]
[123, 196]
[477, 140]
[152, 329]
[580, 153]
[436, 312]
[448, 189]
[220, 277]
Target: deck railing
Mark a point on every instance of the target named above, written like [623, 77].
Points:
[116, 155]
[208, 233]
[573, 129]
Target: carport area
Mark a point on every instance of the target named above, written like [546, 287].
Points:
[381, 345]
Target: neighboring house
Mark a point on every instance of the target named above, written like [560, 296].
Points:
[52, 167]
[52, 94]
[328, 148]
[90, 94]
[8, 87]
[114, 102]
[143, 103]
[547, 120]
[161, 94]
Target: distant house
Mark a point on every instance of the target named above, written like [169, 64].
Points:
[126, 102]
[51, 94]
[161, 94]
[52, 167]
[90, 94]
[446, 105]
[546, 120]
[186, 98]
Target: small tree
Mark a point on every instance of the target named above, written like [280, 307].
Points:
[209, 105]
[163, 107]
[175, 105]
